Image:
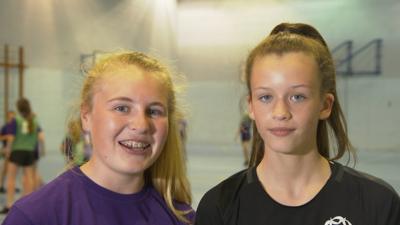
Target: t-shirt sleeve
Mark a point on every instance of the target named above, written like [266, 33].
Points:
[207, 212]
[392, 211]
[3, 130]
[11, 127]
[15, 216]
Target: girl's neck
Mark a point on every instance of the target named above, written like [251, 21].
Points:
[112, 180]
[293, 179]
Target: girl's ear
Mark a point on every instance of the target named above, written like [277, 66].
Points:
[86, 118]
[250, 107]
[326, 106]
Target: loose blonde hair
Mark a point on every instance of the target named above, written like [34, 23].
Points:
[298, 37]
[168, 173]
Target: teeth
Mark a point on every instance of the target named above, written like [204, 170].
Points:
[134, 144]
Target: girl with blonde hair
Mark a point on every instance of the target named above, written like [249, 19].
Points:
[136, 173]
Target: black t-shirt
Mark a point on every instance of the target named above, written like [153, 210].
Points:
[348, 198]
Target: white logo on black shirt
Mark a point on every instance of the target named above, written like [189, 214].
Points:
[337, 220]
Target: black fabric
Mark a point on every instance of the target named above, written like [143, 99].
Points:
[349, 197]
[227, 200]
[22, 158]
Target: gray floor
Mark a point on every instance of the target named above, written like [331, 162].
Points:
[208, 165]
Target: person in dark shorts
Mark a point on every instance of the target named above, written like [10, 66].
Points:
[21, 142]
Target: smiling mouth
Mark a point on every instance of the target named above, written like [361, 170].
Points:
[135, 146]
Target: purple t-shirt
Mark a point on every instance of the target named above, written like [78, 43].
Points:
[74, 199]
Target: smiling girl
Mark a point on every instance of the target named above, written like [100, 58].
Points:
[293, 177]
[136, 174]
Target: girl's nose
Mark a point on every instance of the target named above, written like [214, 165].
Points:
[139, 122]
[281, 110]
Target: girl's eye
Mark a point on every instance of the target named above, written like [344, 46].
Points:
[122, 108]
[265, 98]
[155, 112]
[297, 98]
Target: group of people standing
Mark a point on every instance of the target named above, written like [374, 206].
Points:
[136, 173]
[23, 144]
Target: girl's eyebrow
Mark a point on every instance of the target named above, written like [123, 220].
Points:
[293, 87]
[262, 88]
[301, 86]
[158, 104]
[125, 99]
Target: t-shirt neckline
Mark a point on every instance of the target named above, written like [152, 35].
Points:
[334, 167]
[106, 193]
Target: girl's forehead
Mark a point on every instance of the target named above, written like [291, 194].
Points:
[293, 68]
[125, 78]
[123, 70]
[288, 61]
[131, 72]
[289, 55]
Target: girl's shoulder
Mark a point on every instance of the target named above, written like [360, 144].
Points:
[186, 208]
[190, 214]
[362, 180]
[56, 195]
[54, 190]
[225, 193]
[375, 193]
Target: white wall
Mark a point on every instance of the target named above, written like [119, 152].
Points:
[372, 107]
[214, 112]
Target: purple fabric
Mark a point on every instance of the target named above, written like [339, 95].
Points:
[9, 128]
[3, 129]
[4, 132]
[72, 198]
